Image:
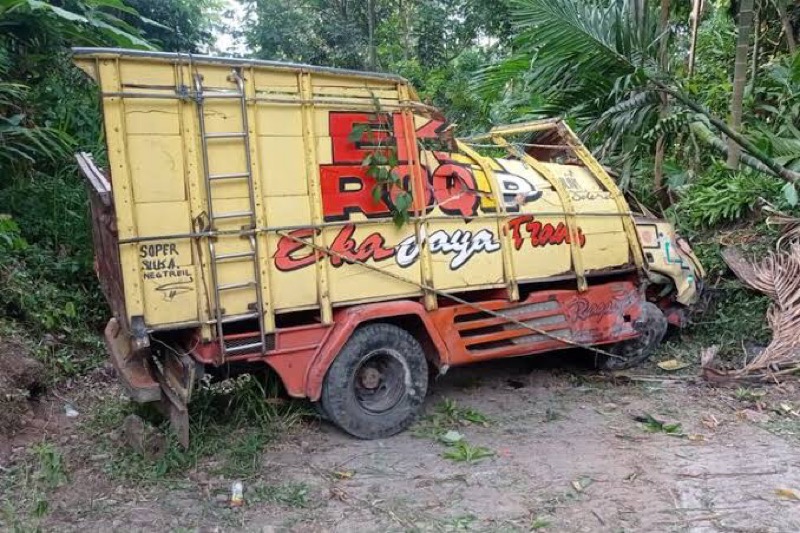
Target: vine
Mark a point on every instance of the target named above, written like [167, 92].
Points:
[381, 163]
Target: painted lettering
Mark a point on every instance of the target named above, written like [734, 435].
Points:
[293, 255]
[525, 227]
[451, 182]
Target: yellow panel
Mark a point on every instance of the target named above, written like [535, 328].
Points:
[217, 77]
[464, 253]
[533, 258]
[284, 80]
[296, 288]
[279, 120]
[226, 156]
[291, 290]
[223, 116]
[322, 127]
[324, 150]
[604, 250]
[282, 166]
[235, 301]
[389, 96]
[142, 72]
[289, 211]
[156, 168]
[229, 189]
[575, 178]
[230, 205]
[168, 273]
[354, 282]
[116, 141]
[149, 116]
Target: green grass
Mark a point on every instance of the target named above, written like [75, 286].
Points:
[446, 416]
[464, 452]
[539, 523]
[288, 494]
[441, 426]
[26, 486]
[231, 421]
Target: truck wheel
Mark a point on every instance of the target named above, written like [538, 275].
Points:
[375, 386]
[652, 326]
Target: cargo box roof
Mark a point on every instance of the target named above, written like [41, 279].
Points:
[204, 59]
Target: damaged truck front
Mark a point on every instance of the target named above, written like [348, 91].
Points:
[248, 217]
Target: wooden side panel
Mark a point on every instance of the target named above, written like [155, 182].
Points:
[107, 261]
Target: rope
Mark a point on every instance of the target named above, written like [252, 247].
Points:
[438, 292]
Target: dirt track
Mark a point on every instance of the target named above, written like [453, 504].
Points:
[568, 456]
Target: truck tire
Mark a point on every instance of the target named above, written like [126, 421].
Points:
[652, 327]
[377, 383]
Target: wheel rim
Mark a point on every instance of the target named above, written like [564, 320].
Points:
[380, 380]
[630, 351]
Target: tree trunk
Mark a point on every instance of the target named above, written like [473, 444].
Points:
[372, 46]
[756, 51]
[403, 10]
[663, 59]
[787, 25]
[697, 10]
[745, 27]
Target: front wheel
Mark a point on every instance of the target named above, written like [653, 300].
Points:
[375, 386]
[652, 327]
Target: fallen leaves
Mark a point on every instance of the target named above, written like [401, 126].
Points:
[653, 425]
[672, 365]
[581, 484]
[788, 494]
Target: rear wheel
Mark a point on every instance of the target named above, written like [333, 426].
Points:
[652, 326]
[376, 385]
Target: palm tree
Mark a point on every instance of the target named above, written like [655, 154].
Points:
[741, 64]
[598, 65]
[663, 63]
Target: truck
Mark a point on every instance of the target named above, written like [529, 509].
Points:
[330, 226]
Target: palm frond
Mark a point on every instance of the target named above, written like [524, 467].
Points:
[579, 57]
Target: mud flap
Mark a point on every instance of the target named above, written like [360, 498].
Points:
[132, 368]
[176, 375]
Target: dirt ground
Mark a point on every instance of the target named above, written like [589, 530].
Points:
[566, 455]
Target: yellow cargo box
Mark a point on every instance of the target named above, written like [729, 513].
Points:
[244, 201]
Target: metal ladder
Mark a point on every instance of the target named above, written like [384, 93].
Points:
[248, 229]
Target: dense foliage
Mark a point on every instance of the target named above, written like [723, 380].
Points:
[48, 110]
[650, 95]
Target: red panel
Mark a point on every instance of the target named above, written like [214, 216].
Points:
[603, 314]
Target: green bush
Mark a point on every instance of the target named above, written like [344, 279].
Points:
[722, 196]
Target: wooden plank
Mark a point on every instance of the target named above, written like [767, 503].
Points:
[315, 191]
